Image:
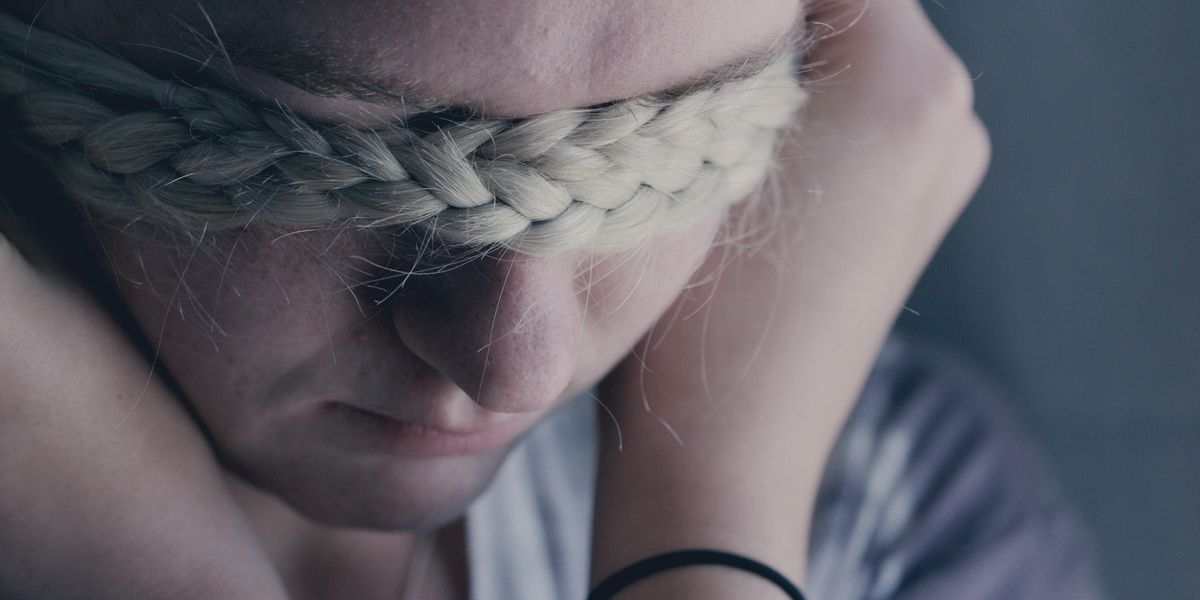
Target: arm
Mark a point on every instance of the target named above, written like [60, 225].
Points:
[131, 500]
[758, 380]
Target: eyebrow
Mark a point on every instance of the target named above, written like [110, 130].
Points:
[330, 75]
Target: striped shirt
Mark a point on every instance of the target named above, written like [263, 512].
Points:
[930, 493]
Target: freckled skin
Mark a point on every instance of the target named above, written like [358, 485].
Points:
[263, 330]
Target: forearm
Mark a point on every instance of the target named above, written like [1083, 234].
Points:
[107, 490]
[893, 155]
[755, 428]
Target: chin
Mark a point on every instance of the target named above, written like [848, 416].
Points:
[380, 493]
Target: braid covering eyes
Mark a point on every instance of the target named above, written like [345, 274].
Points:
[128, 144]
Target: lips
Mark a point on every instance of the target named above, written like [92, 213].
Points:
[359, 430]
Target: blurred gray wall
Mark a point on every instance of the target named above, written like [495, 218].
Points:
[1074, 277]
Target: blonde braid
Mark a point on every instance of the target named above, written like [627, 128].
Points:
[602, 178]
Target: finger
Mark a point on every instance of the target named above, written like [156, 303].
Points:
[10, 256]
[18, 279]
[963, 165]
[25, 250]
[885, 91]
[877, 62]
[838, 23]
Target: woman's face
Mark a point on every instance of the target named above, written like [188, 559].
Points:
[313, 358]
[328, 366]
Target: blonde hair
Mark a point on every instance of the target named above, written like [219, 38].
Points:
[127, 144]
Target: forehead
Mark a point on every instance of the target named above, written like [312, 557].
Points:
[501, 57]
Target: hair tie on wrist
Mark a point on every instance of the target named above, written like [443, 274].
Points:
[666, 561]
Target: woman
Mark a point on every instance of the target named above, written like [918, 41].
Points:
[361, 386]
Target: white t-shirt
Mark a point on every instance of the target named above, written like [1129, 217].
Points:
[529, 534]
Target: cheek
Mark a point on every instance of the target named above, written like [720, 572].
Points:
[253, 288]
[232, 317]
[627, 293]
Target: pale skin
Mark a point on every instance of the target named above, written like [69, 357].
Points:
[889, 154]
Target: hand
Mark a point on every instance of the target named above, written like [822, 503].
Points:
[729, 408]
[107, 490]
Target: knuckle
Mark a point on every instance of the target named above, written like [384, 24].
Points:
[16, 270]
[979, 147]
[10, 258]
[943, 115]
[966, 164]
[955, 86]
[944, 93]
[950, 93]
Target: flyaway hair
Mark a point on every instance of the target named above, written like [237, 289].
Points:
[131, 145]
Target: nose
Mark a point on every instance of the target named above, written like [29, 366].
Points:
[506, 330]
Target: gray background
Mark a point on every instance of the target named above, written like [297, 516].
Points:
[1074, 277]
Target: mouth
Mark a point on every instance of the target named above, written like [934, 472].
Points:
[363, 431]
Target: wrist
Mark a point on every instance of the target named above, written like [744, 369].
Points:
[702, 583]
[693, 559]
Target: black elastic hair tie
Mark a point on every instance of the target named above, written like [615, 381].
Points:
[684, 558]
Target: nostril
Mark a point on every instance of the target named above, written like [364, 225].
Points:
[507, 332]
